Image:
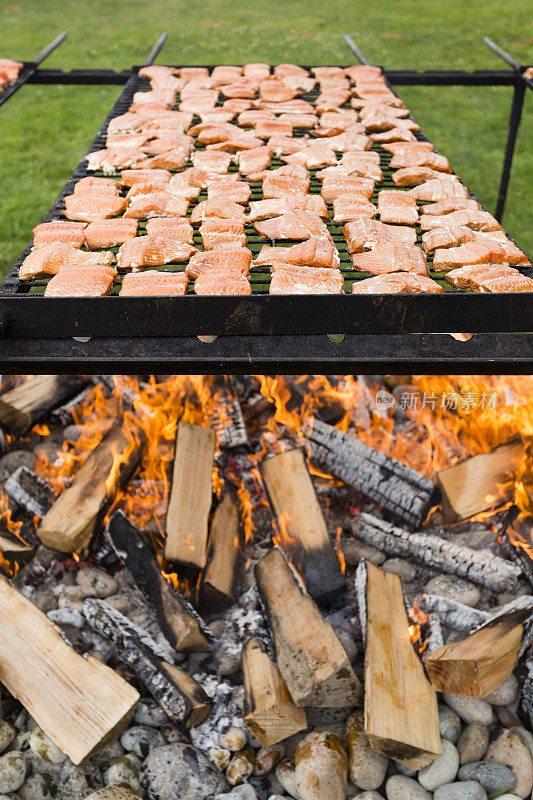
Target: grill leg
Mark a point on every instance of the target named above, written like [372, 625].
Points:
[514, 122]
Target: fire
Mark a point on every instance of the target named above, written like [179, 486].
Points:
[419, 619]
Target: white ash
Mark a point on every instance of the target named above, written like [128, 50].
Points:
[224, 714]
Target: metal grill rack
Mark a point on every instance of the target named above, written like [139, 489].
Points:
[29, 69]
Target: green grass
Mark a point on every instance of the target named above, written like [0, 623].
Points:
[45, 129]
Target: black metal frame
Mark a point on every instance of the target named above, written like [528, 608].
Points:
[29, 69]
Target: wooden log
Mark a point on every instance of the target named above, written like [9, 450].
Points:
[303, 534]
[401, 716]
[80, 703]
[220, 577]
[401, 490]
[179, 695]
[15, 550]
[23, 406]
[63, 413]
[488, 570]
[451, 613]
[311, 659]
[225, 416]
[517, 542]
[480, 482]
[77, 513]
[478, 664]
[178, 620]
[270, 712]
[30, 492]
[190, 496]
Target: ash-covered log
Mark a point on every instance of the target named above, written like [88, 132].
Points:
[517, 541]
[178, 620]
[480, 482]
[30, 492]
[451, 613]
[179, 695]
[225, 416]
[303, 532]
[401, 715]
[23, 406]
[402, 491]
[310, 657]
[221, 576]
[77, 513]
[187, 523]
[485, 569]
[270, 711]
[80, 703]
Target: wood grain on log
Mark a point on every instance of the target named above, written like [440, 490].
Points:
[23, 406]
[220, 576]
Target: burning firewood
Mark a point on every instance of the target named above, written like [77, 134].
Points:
[225, 416]
[190, 497]
[401, 716]
[310, 657]
[76, 514]
[224, 556]
[270, 712]
[480, 482]
[401, 490]
[15, 550]
[517, 542]
[80, 703]
[179, 695]
[176, 617]
[23, 406]
[30, 492]
[486, 569]
[303, 531]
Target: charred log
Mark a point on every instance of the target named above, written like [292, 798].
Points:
[23, 406]
[30, 492]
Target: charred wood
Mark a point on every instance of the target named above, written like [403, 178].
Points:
[23, 406]
[30, 492]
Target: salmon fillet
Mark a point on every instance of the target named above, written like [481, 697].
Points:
[153, 283]
[228, 283]
[157, 204]
[234, 191]
[168, 141]
[221, 260]
[397, 207]
[439, 188]
[109, 233]
[265, 209]
[284, 146]
[90, 185]
[274, 90]
[266, 128]
[346, 187]
[397, 283]
[393, 135]
[426, 159]
[174, 158]
[477, 220]
[313, 157]
[346, 209]
[50, 258]
[225, 74]
[153, 251]
[217, 232]
[212, 161]
[256, 71]
[450, 204]
[354, 170]
[296, 225]
[382, 121]
[475, 252]
[413, 176]
[506, 283]
[304, 121]
[311, 253]
[222, 209]
[351, 140]
[392, 257]
[368, 233]
[248, 119]
[513, 255]
[283, 185]
[305, 280]
[475, 278]
[176, 227]
[66, 232]
[449, 236]
[93, 207]
[132, 177]
[111, 160]
[92, 281]
[403, 148]
[252, 161]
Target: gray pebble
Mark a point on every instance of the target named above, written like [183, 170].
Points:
[403, 770]
[229, 661]
[125, 770]
[43, 746]
[473, 743]
[12, 771]
[354, 551]
[505, 694]
[470, 709]
[15, 459]
[67, 616]
[108, 755]
[400, 787]
[492, 776]
[7, 735]
[96, 582]
[46, 601]
[401, 567]
[179, 770]
[78, 781]
[141, 740]
[454, 588]
[39, 787]
[449, 724]
[442, 770]
[466, 790]
[148, 712]
[370, 795]
[510, 749]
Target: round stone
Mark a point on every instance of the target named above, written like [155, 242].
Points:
[454, 588]
[510, 749]
[470, 709]
[400, 787]
[465, 790]
[108, 755]
[492, 776]
[244, 792]
[473, 743]
[178, 770]
[369, 795]
[366, 768]
[401, 567]
[15, 459]
[354, 551]
[125, 770]
[39, 787]
[67, 616]
[234, 739]
[505, 694]
[141, 740]
[449, 724]
[96, 582]
[12, 771]
[78, 781]
[442, 770]
[148, 712]
[43, 746]
[7, 734]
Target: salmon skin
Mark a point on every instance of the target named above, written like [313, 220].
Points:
[109, 233]
[221, 260]
[93, 207]
[449, 236]
[369, 233]
[215, 282]
[153, 251]
[288, 279]
[66, 232]
[153, 283]
[91, 281]
[397, 283]
[392, 257]
[489, 278]
[297, 225]
[311, 253]
[51, 258]
[397, 207]
[473, 252]
[477, 220]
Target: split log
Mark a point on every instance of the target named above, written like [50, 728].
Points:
[63, 413]
[15, 550]
[23, 406]
[75, 516]
[179, 695]
[401, 715]
[190, 496]
[270, 712]
[477, 665]
[225, 416]
[303, 532]
[30, 492]
[177, 618]
[479, 483]
[485, 569]
[452, 614]
[311, 659]
[434, 637]
[80, 703]
[220, 577]
[399, 489]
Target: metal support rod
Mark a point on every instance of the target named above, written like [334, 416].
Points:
[30, 68]
[503, 54]
[514, 123]
[358, 53]
[156, 49]
[49, 49]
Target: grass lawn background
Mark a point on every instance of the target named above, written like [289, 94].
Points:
[44, 130]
